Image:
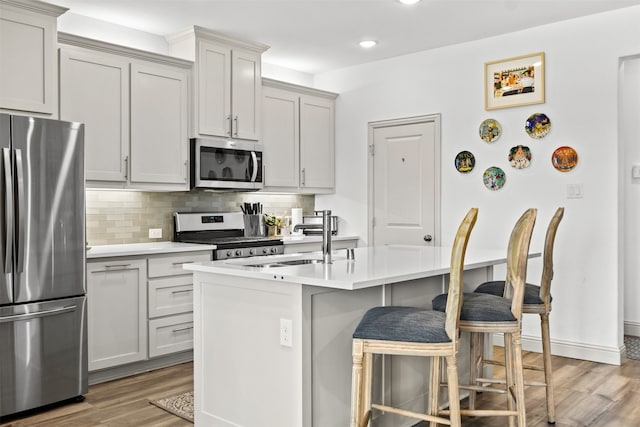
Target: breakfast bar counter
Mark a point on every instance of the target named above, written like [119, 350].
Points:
[272, 340]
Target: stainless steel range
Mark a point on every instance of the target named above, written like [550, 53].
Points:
[226, 231]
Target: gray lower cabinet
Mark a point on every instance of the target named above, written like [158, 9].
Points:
[139, 308]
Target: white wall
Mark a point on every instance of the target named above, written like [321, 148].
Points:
[581, 100]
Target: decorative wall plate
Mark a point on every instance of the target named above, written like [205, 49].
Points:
[520, 157]
[465, 161]
[494, 178]
[490, 130]
[564, 159]
[538, 125]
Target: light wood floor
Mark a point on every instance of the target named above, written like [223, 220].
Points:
[587, 394]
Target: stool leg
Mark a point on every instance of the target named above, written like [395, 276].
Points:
[434, 389]
[509, 375]
[548, 374]
[475, 362]
[357, 382]
[454, 393]
[519, 379]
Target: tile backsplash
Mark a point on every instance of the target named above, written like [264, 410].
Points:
[116, 217]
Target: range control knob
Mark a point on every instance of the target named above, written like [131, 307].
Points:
[252, 251]
[274, 250]
[265, 251]
[229, 253]
[238, 252]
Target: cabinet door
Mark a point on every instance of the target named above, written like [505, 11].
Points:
[27, 61]
[159, 138]
[94, 90]
[117, 312]
[317, 160]
[246, 84]
[280, 136]
[214, 89]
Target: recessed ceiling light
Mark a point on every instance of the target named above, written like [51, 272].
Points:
[368, 43]
[409, 1]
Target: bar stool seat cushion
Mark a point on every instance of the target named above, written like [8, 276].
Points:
[531, 292]
[479, 307]
[410, 324]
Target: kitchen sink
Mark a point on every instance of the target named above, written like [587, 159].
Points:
[291, 262]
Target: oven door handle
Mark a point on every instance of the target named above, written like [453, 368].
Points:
[254, 160]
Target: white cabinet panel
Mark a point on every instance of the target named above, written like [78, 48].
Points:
[158, 124]
[170, 334]
[317, 159]
[94, 90]
[214, 89]
[281, 135]
[117, 312]
[27, 57]
[170, 295]
[170, 265]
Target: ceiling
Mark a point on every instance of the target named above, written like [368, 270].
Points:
[315, 36]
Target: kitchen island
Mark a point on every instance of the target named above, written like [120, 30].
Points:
[272, 342]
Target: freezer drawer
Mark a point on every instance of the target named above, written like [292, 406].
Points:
[43, 356]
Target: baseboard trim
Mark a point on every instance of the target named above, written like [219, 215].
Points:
[573, 350]
[632, 328]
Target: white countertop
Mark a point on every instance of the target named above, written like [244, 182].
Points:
[132, 249]
[287, 240]
[372, 266]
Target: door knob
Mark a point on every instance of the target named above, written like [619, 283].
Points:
[428, 237]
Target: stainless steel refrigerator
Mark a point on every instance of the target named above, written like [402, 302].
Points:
[43, 336]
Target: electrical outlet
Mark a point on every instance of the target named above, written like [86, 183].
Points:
[286, 326]
[155, 233]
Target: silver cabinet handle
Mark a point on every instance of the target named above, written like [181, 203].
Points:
[20, 212]
[182, 262]
[304, 177]
[8, 212]
[182, 329]
[113, 267]
[186, 172]
[184, 291]
[230, 128]
[235, 130]
[126, 167]
[27, 316]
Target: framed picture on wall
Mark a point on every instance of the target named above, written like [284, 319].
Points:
[514, 81]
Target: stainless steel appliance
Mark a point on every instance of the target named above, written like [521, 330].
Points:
[43, 337]
[317, 219]
[226, 165]
[225, 230]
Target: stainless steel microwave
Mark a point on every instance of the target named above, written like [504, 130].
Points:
[226, 165]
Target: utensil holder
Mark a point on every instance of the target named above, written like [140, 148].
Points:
[253, 226]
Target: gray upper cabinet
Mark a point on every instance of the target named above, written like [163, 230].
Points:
[28, 57]
[135, 108]
[298, 136]
[227, 89]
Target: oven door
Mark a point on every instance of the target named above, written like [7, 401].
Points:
[226, 165]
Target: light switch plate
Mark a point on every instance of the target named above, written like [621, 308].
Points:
[635, 171]
[574, 191]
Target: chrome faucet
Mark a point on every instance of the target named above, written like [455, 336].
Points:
[326, 234]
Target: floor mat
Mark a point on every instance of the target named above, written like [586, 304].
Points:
[632, 345]
[180, 405]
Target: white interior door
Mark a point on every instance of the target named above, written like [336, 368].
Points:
[405, 181]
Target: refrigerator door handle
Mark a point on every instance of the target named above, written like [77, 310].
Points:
[20, 215]
[7, 245]
[27, 316]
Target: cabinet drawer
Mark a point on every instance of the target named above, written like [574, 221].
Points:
[171, 265]
[170, 295]
[170, 334]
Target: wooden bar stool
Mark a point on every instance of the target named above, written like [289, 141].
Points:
[489, 314]
[537, 300]
[413, 331]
